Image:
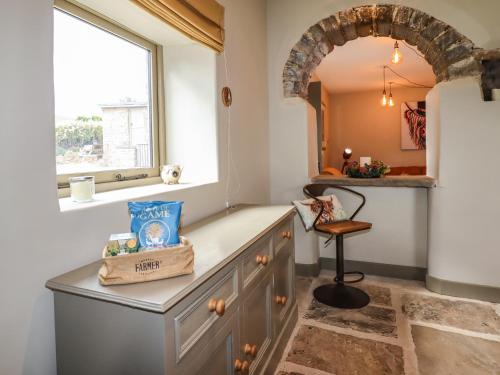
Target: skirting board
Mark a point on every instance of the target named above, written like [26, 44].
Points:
[307, 270]
[434, 284]
[379, 269]
[457, 289]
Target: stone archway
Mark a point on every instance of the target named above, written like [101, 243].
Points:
[451, 54]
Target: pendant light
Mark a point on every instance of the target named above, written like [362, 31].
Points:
[384, 94]
[391, 101]
[396, 56]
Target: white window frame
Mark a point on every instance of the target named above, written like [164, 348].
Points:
[109, 180]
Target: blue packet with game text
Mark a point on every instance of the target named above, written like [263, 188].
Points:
[156, 223]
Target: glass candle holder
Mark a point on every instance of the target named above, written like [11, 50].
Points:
[82, 188]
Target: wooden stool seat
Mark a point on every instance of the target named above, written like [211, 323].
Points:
[343, 227]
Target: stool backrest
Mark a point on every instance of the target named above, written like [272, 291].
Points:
[317, 190]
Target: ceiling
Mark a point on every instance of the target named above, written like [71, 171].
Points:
[357, 66]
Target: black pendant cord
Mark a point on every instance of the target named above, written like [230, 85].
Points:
[415, 84]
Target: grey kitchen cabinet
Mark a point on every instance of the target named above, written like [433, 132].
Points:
[256, 324]
[284, 286]
[218, 358]
[222, 319]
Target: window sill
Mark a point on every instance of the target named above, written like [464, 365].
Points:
[121, 195]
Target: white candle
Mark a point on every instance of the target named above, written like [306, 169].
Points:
[365, 160]
[82, 188]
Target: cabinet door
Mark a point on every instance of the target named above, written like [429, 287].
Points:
[284, 287]
[257, 324]
[218, 357]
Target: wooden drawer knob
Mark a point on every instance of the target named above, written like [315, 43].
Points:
[250, 350]
[219, 306]
[280, 300]
[262, 259]
[286, 234]
[245, 366]
[241, 366]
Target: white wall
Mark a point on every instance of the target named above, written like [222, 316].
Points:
[464, 209]
[432, 132]
[39, 242]
[191, 96]
[399, 232]
[287, 20]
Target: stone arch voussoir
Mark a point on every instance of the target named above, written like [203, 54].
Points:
[451, 54]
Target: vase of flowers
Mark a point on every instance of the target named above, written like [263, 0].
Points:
[374, 170]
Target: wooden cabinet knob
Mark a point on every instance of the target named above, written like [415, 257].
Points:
[245, 366]
[219, 306]
[250, 350]
[280, 300]
[247, 349]
[286, 234]
[241, 366]
[262, 259]
[237, 365]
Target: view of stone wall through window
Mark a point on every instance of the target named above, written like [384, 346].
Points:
[102, 113]
[118, 139]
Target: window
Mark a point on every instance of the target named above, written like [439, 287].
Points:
[106, 99]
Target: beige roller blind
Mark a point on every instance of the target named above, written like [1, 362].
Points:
[201, 20]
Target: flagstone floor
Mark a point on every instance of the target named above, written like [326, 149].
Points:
[406, 329]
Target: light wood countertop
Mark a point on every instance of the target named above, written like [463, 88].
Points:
[217, 241]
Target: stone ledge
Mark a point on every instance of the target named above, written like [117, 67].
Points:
[387, 181]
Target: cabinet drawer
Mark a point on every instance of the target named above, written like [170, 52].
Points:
[193, 322]
[283, 235]
[257, 260]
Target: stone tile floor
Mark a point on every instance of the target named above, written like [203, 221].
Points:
[405, 330]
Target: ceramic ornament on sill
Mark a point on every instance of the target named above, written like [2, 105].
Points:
[171, 173]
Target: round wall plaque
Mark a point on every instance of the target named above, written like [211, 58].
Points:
[227, 97]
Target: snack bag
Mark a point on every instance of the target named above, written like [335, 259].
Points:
[156, 223]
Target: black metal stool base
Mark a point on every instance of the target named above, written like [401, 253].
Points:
[342, 296]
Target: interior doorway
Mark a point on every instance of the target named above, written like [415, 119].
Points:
[371, 105]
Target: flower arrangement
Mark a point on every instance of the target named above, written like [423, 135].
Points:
[376, 169]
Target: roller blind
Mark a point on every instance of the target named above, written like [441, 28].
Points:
[201, 20]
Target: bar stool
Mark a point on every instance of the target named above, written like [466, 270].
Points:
[338, 294]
